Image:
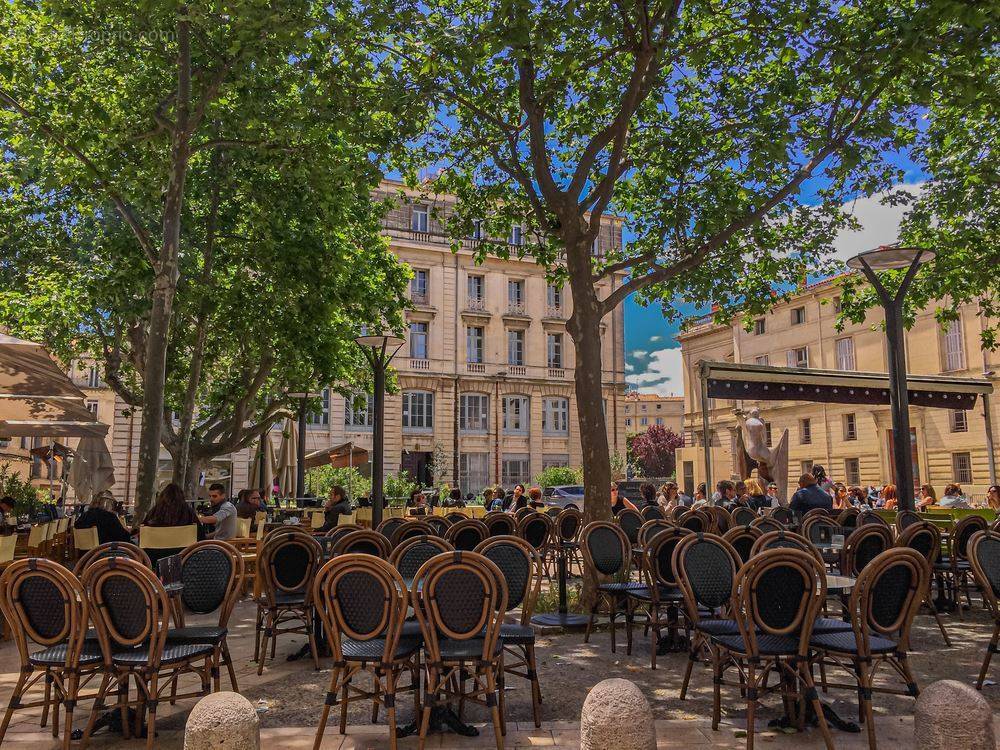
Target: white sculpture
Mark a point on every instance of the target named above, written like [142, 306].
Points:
[771, 463]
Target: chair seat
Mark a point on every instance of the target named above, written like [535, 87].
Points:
[666, 593]
[718, 626]
[55, 655]
[768, 645]
[411, 629]
[824, 625]
[204, 634]
[517, 634]
[621, 588]
[284, 599]
[452, 650]
[944, 565]
[374, 649]
[172, 653]
[846, 644]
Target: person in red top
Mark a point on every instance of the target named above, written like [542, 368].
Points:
[619, 502]
[889, 497]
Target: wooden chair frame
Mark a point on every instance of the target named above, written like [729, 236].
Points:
[465, 524]
[111, 549]
[348, 543]
[613, 594]
[662, 589]
[905, 539]
[989, 593]
[735, 534]
[787, 539]
[408, 530]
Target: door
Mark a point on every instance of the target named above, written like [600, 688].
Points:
[914, 457]
[418, 465]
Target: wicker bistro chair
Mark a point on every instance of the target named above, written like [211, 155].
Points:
[338, 532]
[777, 596]
[706, 567]
[212, 572]
[865, 543]
[568, 525]
[365, 542]
[500, 523]
[408, 530]
[695, 520]
[871, 517]
[785, 539]
[767, 523]
[607, 554]
[287, 567]
[742, 539]
[539, 530]
[848, 517]
[131, 613]
[661, 597]
[163, 541]
[630, 522]
[722, 519]
[520, 513]
[411, 554]
[459, 599]
[813, 525]
[362, 601]
[388, 527]
[742, 515]
[984, 557]
[440, 524]
[955, 569]
[467, 534]
[652, 528]
[46, 605]
[652, 513]
[455, 516]
[521, 565]
[883, 602]
[926, 539]
[905, 519]
[783, 515]
[111, 549]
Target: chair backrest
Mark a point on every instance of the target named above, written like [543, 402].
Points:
[606, 549]
[984, 559]
[905, 519]
[652, 513]
[36, 537]
[467, 534]
[339, 531]
[364, 542]
[45, 604]
[62, 525]
[439, 524]
[460, 596]
[522, 512]
[85, 539]
[111, 549]
[554, 511]
[409, 530]
[783, 515]
[7, 545]
[455, 516]
[812, 525]
[767, 523]
[962, 533]
[362, 598]
[923, 537]
[658, 558]
[537, 530]
[287, 565]
[414, 552]
[678, 511]
[887, 595]
[652, 528]
[742, 539]
[742, 515]
[705, 566]
[500, 523]
[848, 517]
[316, 520]
[167, 537]
[389, 525]
[695, 520]
[779, 592]
[785, 540]
[243, 527]
[260, 518]
[521, 566]
[212, 572]
[871, 517]
[865, 543]
[630, 521]
[568, 524]
[722, 519]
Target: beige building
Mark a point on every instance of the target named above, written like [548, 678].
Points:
[853, 442]
[485, 377]
[644, 410]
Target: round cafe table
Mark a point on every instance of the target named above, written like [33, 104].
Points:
[562, 618]
[837, 584]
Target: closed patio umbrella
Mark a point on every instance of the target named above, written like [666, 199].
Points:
[92, 470]
[287, 458]
[263, 465]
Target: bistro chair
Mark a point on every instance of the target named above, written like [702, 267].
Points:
[362, 602]
[743, 516]
[467, 534]
[706, 567]
[111, 549]
[364, 542]
[721, 518]
[785, 540]
[652, 528]
[243, 527]
[538, 530]
[883, 603]
[212, 573]
[456, 516]
[767, 523]
[521, 566]
[414, 552]
[905, 519]
[661, 590]
[652, 513]
[163, 541]
[521, 513]
[459, 600]
[408, 530]
[607, 554]
[695, 520]
[777, 596]
[678, 511]
[871, 517]
[37, 535]
[440, 524]
[85, 540]
[47, 606]
[866, 542]
[7, 546]
[389, 526]
[500, 524]
[955, 567]
[812, 526]
[848, 517]
[287, 567]
[925, 538]
[131, 613]
[630, 522]
[338, 531]
[742, 539]
[566, 535]
[984, 558]
[783, 515]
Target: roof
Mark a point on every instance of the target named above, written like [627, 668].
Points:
[633, 396]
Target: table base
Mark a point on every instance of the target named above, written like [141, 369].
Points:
[441, 718]
[560, 619]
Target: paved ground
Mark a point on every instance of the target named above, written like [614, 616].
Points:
[289, 696]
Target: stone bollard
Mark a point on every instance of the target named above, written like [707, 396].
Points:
[950, 714]
[222, 721]
[616, 716]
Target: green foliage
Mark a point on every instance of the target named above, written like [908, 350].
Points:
[320, 479]
[397, 488]
[555, 476]
[26, 497]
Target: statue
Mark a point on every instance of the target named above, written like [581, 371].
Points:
[753, 452]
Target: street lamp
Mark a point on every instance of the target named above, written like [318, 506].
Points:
[379, 351]
[888, 258]
[300, 463]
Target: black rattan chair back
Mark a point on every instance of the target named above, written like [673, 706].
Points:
[364, 542]
[212, 572]
[440, 524]
[887, 595]
[630, 522]
[500, 523]
[785, 540]
[767, 523]
[658, 556]
[783, 515]
[923, 537]
[984, 559]
[871, 517]
[467, 534]
[866, 542]
[537, 530]
[521, 566]
[963, 532]
[456, 517]
[111, 549]
[812, 527]
[409, 530]
[568, 524]
[743, 516]
[706, 566]
[287, 564]
[652, 528]
[694, 521]
[412, 553]
[43, 603]
[848, 517]
[905, 519]
[742, 538]
[652, 513]
[388, 527]
[606, 549]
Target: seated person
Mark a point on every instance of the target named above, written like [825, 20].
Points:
[417, 503]
[223, 513]
[953, 497]
[336, 505]
[249, 503]
[170, 509]
[100, 515]
[809, 496]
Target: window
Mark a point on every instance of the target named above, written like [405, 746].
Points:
[359, 417]
[961, 467]
[959, 420]
[516, 235]
[93, 377]
[767, 432]
[553, 296]
[954, 348]
[418, 410]
[477, 229]
[759, 327]
[595, 246]
[806, 467]
[515, 347]
[805, 431]
[850, 427]
[92, 407]
[418, 340]
[798, 357]
[473, 412]
[515, 295]
[838, 305]
[554, 346]
[515, 414]
[798, 316]
[763, 359]
[550, 460]
[852, 471]
[628, 421]
[320, 417]
[473, 471]
[418, 285]
[845, 354]
[659, 421]
[477, 288]
[644, 421]
[555, 416]
[474, 344]
[514, 469]
[420, 219]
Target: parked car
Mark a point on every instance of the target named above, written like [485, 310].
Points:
[564, 496]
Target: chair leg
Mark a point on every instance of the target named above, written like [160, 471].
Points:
[717, 689]
[343, 702]
[430, 698]
[590, 624]
[268, 635]
[491, 701]
[227, 657]
[48, 698]
[990, 649]
[813, 697]
[613, 609]
[97, 708]
[751, 702]
[389, 698]
[865, 699]
[692, 658]
[331, 696]
[937, 616]
[151, 713]
[311, 633]
[536, 689]
[72, 691]
[15, 699]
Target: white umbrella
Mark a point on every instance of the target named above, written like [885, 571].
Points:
[92, 471]
[265, 456]
[287, 458]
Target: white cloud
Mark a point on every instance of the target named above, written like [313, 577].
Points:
[664, 374]
[629, 367]
[639, 353]
[655, 338]
[879, 223]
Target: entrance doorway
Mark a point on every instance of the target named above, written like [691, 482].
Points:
[418, 465]
[914, 457]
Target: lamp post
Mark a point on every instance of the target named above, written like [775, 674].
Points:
[300, 462]
[886, 258]
[379, 351]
